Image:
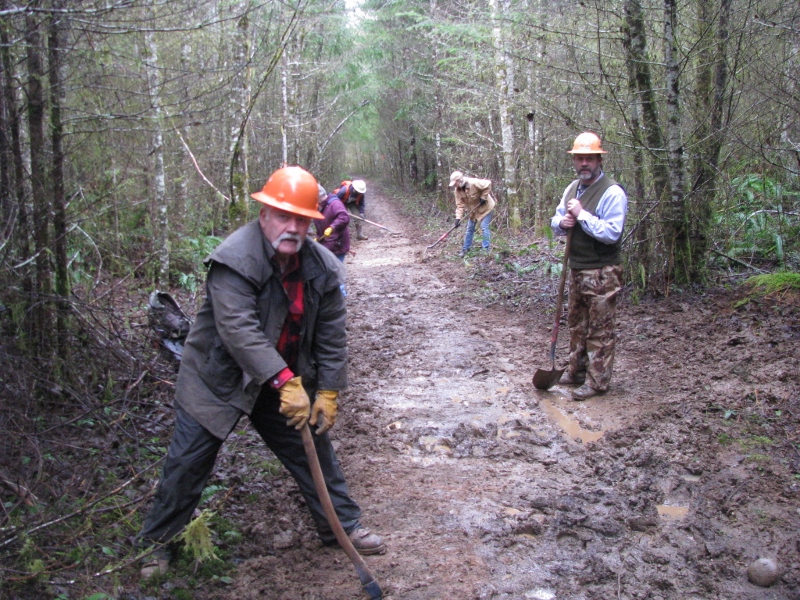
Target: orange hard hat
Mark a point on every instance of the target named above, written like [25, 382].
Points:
[587, 143]
[292, 189]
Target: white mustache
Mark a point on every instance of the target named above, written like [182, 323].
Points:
[287, 236]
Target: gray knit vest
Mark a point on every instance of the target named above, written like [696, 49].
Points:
[587, 252]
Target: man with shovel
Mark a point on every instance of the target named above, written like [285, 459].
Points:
[475, 200]
[269, 337]
[597, 205]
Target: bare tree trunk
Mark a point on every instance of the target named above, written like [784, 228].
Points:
[541, 219]
[22, 234]
[161, 209]
[639, 207]
[284, 109]
[240, 95]
[59, 199]
[7, 213]
[504, 80]
[413, 167]
[534, 203]
[43, 316]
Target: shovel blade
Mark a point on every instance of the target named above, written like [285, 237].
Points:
[544, 380]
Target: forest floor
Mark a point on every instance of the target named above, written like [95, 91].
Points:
[668, 486]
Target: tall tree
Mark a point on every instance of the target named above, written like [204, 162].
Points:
[635, 43]
[504, 81]
[711, 92]
[677, 217]
[239, 176]
[43, 313]
[160, 207]
[54, 52]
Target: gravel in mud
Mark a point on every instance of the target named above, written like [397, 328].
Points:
[669, 486]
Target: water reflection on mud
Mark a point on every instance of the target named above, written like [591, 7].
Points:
[674, 512]
[569, 423]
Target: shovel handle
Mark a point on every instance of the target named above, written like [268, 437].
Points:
[374, 223]
[368, 582]
[560, 298]
[449, 231]
[444, 235]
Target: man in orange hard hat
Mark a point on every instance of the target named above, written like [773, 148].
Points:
[353, 195]
[594, 208]
[269, 337]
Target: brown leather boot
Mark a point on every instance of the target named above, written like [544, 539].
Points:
[567, 379]
[366, 542]
[157, 563]
[585, 392]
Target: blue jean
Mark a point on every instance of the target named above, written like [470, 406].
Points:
[341, 258]
[484, 230]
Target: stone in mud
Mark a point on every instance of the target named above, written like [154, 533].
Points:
[283, 540]
[763, 572]
[643, 523]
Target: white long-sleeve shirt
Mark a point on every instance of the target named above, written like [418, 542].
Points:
[609, 222]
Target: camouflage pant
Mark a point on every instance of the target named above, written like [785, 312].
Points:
[592, 307]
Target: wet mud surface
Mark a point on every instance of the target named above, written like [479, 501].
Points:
[669, 486]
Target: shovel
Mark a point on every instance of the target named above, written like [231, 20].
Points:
[544, 380]
[374, 223]
[446, 233]
[368, 582]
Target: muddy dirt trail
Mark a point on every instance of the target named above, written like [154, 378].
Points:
[669, 486]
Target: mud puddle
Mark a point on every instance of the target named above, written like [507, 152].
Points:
[568, 422]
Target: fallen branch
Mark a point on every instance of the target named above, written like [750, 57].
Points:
[737, 261]
[27, 497]
[83, 510]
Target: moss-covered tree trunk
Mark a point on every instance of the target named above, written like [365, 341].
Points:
[635, 44]
[711, 85]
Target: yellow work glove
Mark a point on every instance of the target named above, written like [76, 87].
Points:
[327, 232]
[325, 405]
[295, 404]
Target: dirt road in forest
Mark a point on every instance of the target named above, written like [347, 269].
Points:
[485, 488]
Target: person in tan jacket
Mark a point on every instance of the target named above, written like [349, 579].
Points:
[474, 199]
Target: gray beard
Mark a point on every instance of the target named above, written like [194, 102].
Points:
[283, 237]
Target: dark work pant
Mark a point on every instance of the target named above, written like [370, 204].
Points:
[190, 460]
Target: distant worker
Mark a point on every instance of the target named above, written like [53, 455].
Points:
[269, 342]
[332, 229]
[353, 195]
[599, 205]
[474, 199]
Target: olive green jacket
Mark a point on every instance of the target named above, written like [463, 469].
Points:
[230, 351]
